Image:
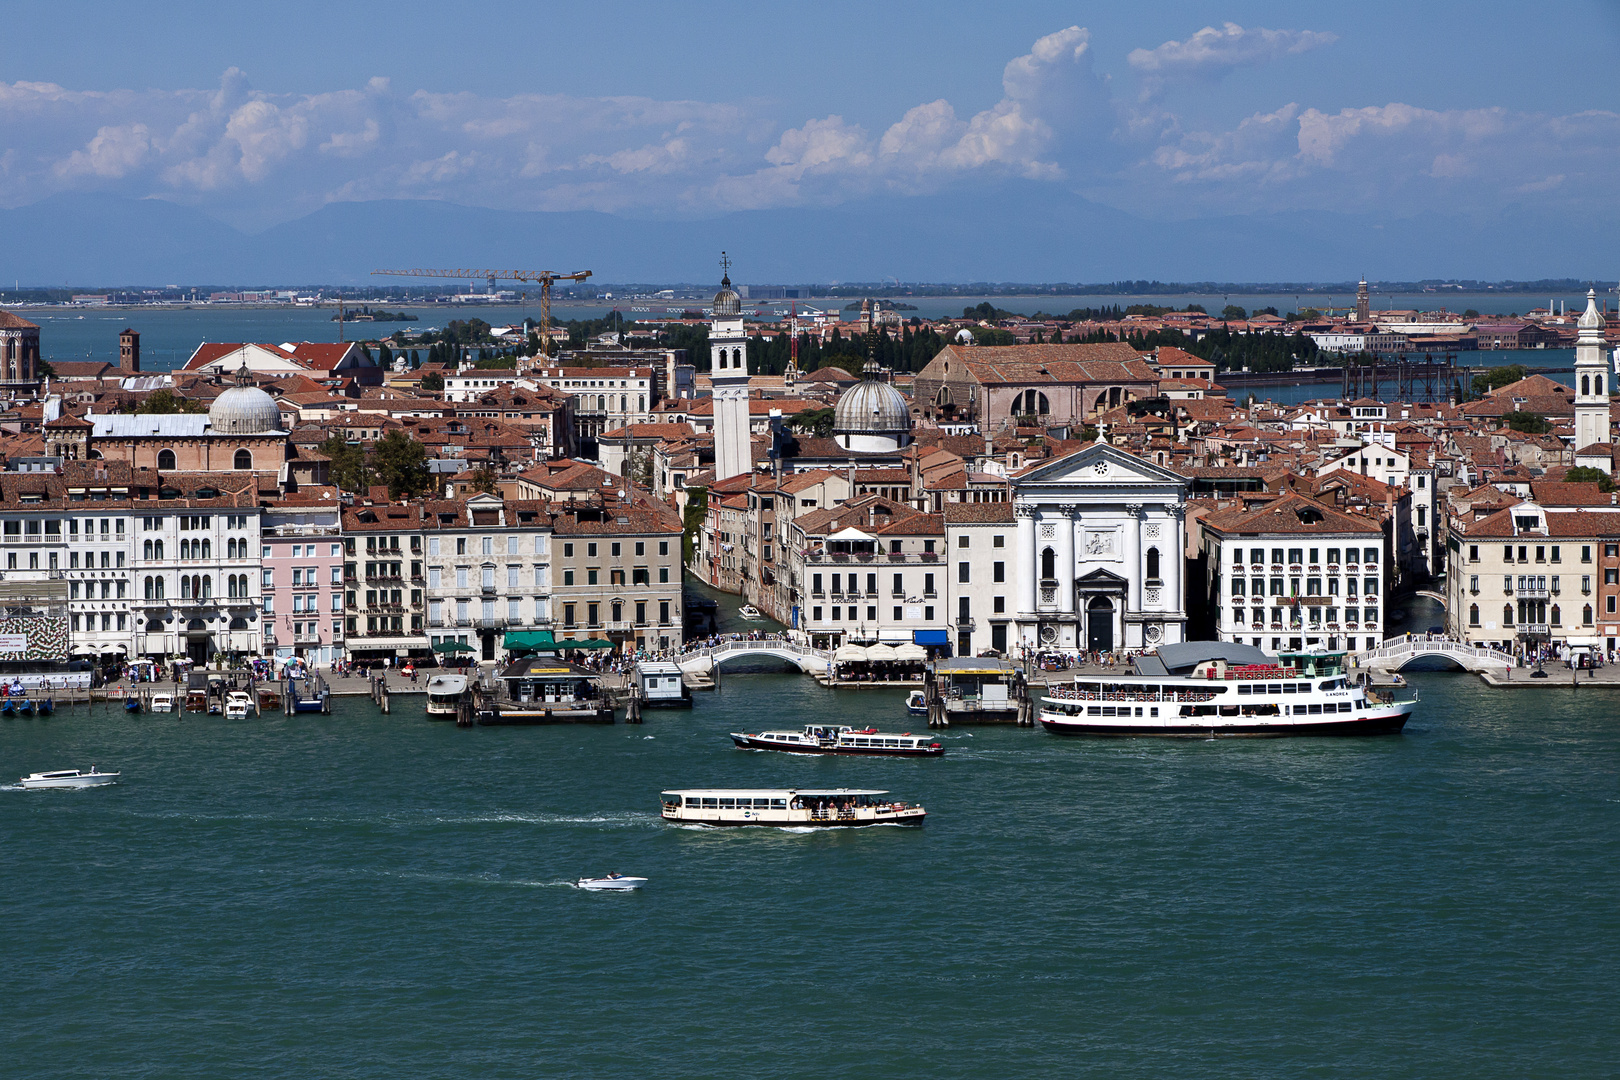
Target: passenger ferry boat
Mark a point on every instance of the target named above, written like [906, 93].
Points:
[1209, 689]
[830, 739]
[823, 807]
[444, 696]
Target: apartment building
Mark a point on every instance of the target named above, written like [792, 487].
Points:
[301, 576]
[980, 543]
[488, 571]
[604, 398]
[618, 574]
[384, 586]
[871, 570]
[1532, 575]
[1295, 573]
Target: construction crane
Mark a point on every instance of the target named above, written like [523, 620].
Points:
[544, 277]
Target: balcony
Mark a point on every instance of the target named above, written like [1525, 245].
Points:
[1533, 593]
[965, 624]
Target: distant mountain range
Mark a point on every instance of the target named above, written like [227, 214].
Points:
[1019, 231]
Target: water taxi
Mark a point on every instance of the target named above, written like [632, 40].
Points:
[611, 883]
[237, 705]
[820, 808]
[444, 696]
[69, 778]
[1209, 689]
[841, 739]
[748, 611]
[917, 703]
[162, 703]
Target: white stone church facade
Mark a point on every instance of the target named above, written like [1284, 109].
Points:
[1101, 537]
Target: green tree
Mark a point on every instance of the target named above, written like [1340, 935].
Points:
[401, 463]
[697, 505]
[1232, 311]
[1498, 377]
[1528, 422]
[1470, 314]
[349, 470]
[433, 382]
[482, 479]
[166, 401]
[385, 356]
[1585, 474]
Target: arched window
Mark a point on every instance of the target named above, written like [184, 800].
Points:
[207, 549]
[157, 552]
[230, 549]
[207, 585]
[244, 460]
[1586, 615]
[1048, 563]
[146, 552]
[166, 459]
[185, 587]
[624, 402]
[1557, 616]
[1507, 614]
[1153, 564]
[149, 587]
[1473, 614]
[1597, 384]
[159, 583]
[1586, 384]
[230, 587]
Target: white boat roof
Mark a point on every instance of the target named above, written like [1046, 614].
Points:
[769, 793]
[658, 667]
[447, 682]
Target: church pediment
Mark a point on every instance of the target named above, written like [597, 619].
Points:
[1098, 463]
[1101, 579]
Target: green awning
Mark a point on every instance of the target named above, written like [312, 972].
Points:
[529, 641]
[452, 647]
[585, 643]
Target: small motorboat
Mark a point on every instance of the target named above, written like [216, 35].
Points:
[748, 611]
[237, 705]
[132, 704]
[162, 703]
[69, 778]
[917, 703]
[611, 883]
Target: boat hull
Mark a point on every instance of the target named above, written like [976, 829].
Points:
[509, 717]
[1380, 722]
[749, 742]
[97, 780]
[623, 884]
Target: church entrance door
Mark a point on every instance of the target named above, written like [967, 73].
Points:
[1100, 624]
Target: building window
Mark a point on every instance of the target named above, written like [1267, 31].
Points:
[244, 460]
[1473, 614]
[165, 460]
[1586, 615]
[1048, 564]
[1153, 564]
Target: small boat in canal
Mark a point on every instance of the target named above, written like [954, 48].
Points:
[26, 706]
[68, 778]
[917, 703]
[611, 883]
[840, 739]
[444, 696]
[46, 707]
[748, 611]
[237, 705]
[791, 808]
[132, 703]
[162, 703]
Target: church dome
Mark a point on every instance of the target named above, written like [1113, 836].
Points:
[726, 302]
[872, 415]
[244, 410]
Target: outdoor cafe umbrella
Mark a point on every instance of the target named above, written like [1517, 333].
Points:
[452, 647]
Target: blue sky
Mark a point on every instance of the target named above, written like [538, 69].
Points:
[1169, 111]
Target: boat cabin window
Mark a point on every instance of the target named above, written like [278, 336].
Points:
[672, 800]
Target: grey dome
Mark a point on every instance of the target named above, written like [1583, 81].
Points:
[727, 302]
[244, 410]
[871, 407]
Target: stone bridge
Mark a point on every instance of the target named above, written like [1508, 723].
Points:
[808, 660]
[1395, 654]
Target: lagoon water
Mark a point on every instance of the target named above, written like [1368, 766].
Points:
[380, 896]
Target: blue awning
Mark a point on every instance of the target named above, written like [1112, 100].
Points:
[930, 637]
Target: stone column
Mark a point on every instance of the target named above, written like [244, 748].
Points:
[1171, 561]
[1026, 566]
[1067, 574]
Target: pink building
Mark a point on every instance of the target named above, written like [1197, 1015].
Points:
[303, 576]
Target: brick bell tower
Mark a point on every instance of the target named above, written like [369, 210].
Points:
[129, 351]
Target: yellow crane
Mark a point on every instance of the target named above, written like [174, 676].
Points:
[544, 277]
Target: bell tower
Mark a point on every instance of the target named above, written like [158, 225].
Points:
[129, 351]
[1591, 384]
[728, 378]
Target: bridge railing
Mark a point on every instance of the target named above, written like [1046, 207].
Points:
[743, 645]
[1422, 646]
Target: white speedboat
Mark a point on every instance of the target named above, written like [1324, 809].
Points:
[69, 778]
[748, 611]
[917, 703]
[237, 705]
[611, 883]
[162, 703]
